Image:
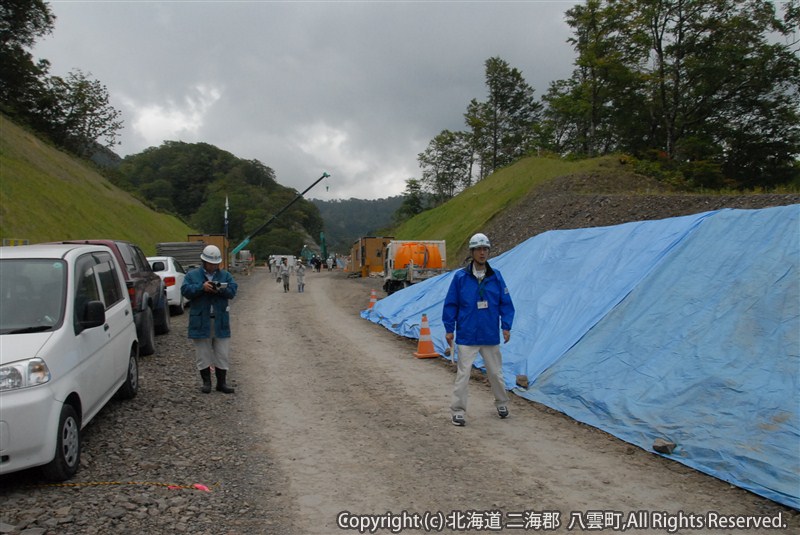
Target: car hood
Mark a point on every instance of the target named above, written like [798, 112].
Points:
[14, 347]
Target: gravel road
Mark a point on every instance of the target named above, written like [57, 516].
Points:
[333, 414]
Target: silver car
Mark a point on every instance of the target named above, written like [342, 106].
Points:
[67, 345]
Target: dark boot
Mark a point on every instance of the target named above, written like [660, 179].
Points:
[221, 386]
[206, 375]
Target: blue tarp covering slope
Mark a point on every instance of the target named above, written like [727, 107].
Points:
[686, 329]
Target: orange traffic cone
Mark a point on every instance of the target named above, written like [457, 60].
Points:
[425, 348]
[373, 298]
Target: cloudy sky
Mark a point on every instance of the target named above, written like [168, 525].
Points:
[353, 88]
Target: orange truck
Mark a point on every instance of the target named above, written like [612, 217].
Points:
[409, 261]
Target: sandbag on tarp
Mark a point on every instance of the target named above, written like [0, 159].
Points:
[561, 283]
[704, 352]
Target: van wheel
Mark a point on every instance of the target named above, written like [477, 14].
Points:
[147, 340]
[162, 317]
[130, 387]
[68, 447]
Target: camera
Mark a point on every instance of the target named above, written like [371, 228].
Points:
[219, 285]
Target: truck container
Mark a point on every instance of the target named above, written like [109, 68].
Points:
[409, 261]
[366, 254]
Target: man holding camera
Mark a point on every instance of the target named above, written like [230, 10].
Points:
[209, 289]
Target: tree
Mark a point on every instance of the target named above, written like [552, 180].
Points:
[413, 201]
[446, 164]
[81, 115]
[502, 127]
[701, 81]
[73, 111]
[21, 23]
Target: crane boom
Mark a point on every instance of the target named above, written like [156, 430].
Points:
[274, 217]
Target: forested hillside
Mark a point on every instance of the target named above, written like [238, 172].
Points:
[348, 220]
[195, 180]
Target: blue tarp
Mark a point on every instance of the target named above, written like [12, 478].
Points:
[686, 329]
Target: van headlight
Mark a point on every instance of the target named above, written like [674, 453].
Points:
[23, 373]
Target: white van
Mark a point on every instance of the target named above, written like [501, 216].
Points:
[67, 345]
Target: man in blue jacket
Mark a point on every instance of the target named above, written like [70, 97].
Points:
[477, 306]
[209, 289]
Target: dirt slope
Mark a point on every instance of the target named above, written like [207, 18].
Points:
[608, 198]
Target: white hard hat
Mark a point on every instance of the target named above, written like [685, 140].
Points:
[211, 255]
[479, 240]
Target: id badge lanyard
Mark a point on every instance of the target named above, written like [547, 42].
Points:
[482, 303]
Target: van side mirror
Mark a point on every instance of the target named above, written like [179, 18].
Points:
[92, 315]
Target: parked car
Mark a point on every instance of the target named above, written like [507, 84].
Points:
[172, 273]
[146, 291]
[67, 345]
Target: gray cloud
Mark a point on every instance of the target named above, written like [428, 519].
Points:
[356, 89]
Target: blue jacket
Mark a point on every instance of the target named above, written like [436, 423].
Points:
[201, 302]
[477, 326]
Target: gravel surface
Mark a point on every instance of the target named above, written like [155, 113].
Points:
[142, 458]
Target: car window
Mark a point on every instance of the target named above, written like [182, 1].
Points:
[128, 257]
[109, 279]
[144, 265]
[85, 285]
[32, 293]
[179, 267]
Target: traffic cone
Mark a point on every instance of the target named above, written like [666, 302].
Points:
[373, 298]
[425, 348]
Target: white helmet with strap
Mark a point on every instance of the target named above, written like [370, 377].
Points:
[479, 240]
[211, 255]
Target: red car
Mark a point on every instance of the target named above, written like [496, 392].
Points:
[146, 290]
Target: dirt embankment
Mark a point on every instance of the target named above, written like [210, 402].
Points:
[609, 198]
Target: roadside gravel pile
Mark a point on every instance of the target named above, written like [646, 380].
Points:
[146, 462]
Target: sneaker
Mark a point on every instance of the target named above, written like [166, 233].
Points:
[502, 411]
[458, 419]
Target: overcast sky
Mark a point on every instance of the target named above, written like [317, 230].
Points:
[355, 89]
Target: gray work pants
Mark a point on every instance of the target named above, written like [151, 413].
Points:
[494, 372]
[212, 352]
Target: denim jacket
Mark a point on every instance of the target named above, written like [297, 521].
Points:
[200, 308]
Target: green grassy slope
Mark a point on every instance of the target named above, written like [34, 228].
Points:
[468, 212]
[47, 195]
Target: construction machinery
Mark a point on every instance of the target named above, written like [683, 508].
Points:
[274, 217]
[410, 261]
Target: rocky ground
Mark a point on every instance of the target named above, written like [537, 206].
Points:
[612, 196]
[146, 462]
[173, 460]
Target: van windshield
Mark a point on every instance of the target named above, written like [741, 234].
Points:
[32, 294]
